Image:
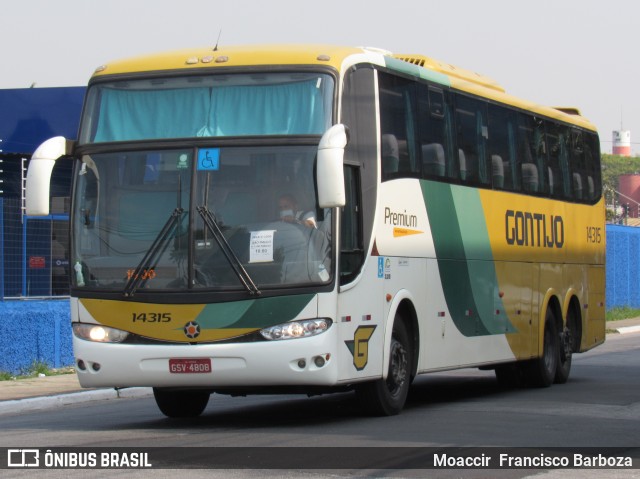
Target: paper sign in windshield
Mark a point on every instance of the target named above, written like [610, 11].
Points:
[261, 246]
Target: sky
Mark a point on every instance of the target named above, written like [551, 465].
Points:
[580, 53]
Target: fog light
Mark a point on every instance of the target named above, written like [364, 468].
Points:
[302, 364]
[319, 361]
[96, 367]
[81, 365]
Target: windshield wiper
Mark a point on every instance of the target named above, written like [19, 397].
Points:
[242, 274]
[154, 252]
[158, 247]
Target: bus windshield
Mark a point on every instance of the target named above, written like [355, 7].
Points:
[223, 105]
[230, 218]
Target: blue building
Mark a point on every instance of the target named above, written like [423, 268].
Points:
[32, 258]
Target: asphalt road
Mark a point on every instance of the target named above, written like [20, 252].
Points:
[599, 407]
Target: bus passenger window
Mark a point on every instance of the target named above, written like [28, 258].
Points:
[532, 154]
[579, 166]
[501, 146]
[592, 165]
[471, 137]
[351, 241]
[433, 136]
[397, 126]
[558, 165]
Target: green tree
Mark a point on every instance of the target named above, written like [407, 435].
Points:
[614, 166]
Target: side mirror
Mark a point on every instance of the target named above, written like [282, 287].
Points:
[329, 168]
[39, 174]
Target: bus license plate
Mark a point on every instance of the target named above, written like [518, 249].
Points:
[190, 366]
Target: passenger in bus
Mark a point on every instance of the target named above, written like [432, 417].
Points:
[289, 212]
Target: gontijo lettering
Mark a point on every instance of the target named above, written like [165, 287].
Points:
[524, 228]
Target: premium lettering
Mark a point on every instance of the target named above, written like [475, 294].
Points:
[400, 219]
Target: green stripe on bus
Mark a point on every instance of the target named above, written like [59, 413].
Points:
[482, 271]
[253, 313]
[465, 261]
[416, 71]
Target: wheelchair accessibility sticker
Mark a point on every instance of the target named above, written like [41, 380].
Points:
[209, 159]
[384, 267]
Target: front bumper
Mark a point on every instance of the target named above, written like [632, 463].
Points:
[269, 363]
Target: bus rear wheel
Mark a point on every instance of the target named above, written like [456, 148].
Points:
[542, 370]
[180, 403]
[569, 342]
[565, 352]
[386, 397]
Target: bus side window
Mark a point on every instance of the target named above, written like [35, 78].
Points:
[432, 134]
[592, 160]
[472, 132]
[579, 188]
[351, 241]
[359, 112]
[501, 148]
[397, 126]
[532, 155]
[558, 165]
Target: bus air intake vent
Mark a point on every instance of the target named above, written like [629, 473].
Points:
[414, 61]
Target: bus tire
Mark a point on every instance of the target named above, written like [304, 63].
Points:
[542, 370]
[178, 404]
[386, 397]
[565, 351]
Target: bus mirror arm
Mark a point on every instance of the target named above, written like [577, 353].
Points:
[39, 173]
[329, 168]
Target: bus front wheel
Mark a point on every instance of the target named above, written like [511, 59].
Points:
[386, 397]
[176, 403]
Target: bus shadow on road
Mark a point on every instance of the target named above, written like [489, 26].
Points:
[298, 411]
[440, 388]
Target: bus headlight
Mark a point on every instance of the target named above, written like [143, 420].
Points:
[296, 329]
[98, 333]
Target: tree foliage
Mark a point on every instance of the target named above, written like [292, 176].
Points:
[614, 166]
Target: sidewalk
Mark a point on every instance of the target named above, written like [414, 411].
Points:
[38, 393]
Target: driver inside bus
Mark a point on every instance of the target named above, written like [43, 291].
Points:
[289, 212]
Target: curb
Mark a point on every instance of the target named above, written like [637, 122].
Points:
[47, 402]
[628, 329]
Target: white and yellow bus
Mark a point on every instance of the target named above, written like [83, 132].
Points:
[316, 218]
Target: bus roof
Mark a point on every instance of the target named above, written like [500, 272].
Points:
[233, 56]
[336, 57]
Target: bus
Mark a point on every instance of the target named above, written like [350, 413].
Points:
[313, 219]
